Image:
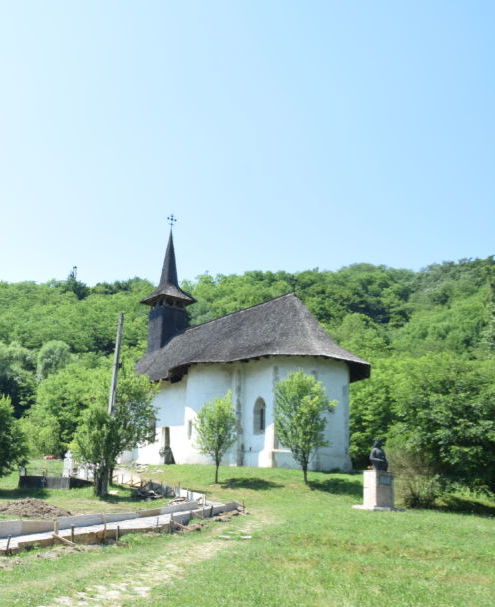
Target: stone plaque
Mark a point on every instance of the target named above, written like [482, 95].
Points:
[385, 479]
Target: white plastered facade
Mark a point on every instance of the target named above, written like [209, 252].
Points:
[252, 381]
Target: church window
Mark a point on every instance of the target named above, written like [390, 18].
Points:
[189, 429]
[259, 416]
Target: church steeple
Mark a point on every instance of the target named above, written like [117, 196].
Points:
[169, 269]
[167, 317]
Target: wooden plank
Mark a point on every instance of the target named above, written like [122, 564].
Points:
[65, 541]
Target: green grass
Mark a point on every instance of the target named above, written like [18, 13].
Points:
[308, 548]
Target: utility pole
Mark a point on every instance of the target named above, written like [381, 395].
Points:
[116, 365]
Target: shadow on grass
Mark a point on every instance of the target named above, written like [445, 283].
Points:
[452, 503]
[338, 486]
[258, 484]
[122, 499]
[17, 494]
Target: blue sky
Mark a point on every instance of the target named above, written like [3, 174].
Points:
[283, 135]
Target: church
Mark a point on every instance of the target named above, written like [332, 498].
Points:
[246, 352]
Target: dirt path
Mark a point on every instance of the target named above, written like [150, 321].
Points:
[161, 570]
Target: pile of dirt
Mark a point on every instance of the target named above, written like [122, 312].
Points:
[7, 563]
[32, 508]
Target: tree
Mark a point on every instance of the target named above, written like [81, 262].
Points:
[362, 336]
[101, 437]
[77, 287]
[216, 428]
[66, 394]
[42, 431]
[94, 445]
[488, 331]
[373, 408]
[300, 404]
[438, 409]
[17, 379]
[13, 447]
[445, 410]
[53, 355]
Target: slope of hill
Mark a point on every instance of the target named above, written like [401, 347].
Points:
[430, 336]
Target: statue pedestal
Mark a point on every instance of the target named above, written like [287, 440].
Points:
[378, 491]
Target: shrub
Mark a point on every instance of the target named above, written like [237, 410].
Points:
[417, 484]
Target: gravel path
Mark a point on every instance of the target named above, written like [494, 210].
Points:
[162, 570]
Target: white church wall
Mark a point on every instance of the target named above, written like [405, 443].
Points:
[204, 383]
[258, 383]
[334, 375]
[169, 403]
[179, 403]
[259, 378]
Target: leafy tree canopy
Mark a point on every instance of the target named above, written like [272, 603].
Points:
[300, 407]
[440, 405]
[17, 377]
[65, 395]
[13, 446]
[388, 316]
[216, 429]
[52, 356]
[101, 437]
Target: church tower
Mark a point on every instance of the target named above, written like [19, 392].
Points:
[167, 316]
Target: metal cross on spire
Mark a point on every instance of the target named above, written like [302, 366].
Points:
[171, 220]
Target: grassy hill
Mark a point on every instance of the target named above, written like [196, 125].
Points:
[308, 547]
[56, 340]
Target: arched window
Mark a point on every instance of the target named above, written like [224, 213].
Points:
[189, 429]
[259, 416]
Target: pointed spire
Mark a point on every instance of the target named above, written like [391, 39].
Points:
[169, 269]
[169, 283]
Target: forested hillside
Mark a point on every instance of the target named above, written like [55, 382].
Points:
[430, 336]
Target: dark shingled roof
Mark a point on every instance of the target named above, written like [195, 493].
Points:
[281, 326]
[169, 284]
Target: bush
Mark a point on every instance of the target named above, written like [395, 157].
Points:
[420, 491]
[417, 485]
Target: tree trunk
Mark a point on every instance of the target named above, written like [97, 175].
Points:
[305, 472]
[217, 464]
[101, 482]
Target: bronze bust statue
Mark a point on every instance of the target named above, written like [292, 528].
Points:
[378, 458]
